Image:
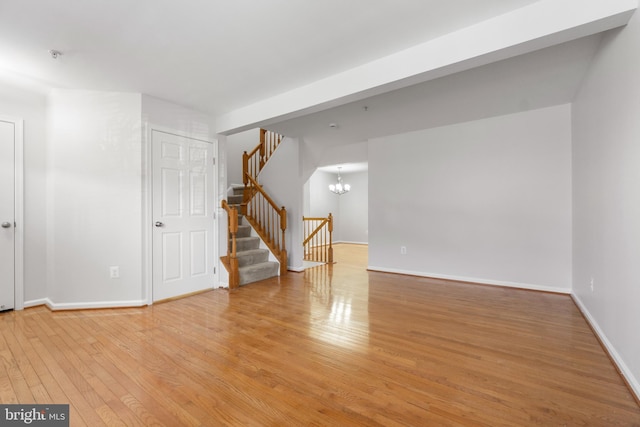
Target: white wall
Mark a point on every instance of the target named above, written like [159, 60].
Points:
[322, 201]
[236, 145]
[94, 198]
[349, 210]
[486, 201]
[606, 210]
[353, 213]
[282, 180]
[30, 106]
[83, 189]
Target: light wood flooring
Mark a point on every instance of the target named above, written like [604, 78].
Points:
[333, 346]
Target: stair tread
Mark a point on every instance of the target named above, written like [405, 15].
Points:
[250, 252]
[243, 231]
[247, 243]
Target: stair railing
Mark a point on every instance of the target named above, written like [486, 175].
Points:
[261, 211]
[254, 161]
[269, 221]
[318, 239]
[231, 261]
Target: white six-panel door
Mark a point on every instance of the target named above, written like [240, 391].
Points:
[183, 215]
[7, 214]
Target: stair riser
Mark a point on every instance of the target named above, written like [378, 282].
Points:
[244, 231]
[244, 260]
[247, 243]
[234, 200]
[265, 271]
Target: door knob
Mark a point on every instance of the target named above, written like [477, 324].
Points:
[158, 224]
[6, 224]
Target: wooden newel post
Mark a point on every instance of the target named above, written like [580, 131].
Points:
[245, 169]
[283, 224]
[231, 260]
[283, 227]
[233, 227]
[330, 251]
[234, 277]
[263, 132]
[245, 181]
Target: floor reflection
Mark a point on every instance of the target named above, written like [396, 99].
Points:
[339, 311]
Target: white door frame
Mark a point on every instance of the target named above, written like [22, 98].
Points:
[147, 209]
[18, 210]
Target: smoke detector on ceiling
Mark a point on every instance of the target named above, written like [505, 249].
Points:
[54, 53]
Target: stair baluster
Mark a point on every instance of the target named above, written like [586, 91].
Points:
[318, 239]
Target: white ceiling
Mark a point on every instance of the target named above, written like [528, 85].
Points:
[539, 79]
[346, 168]
[215, 55]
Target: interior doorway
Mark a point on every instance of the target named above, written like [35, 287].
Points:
[349, 209]
[184, 196]
[11, 208]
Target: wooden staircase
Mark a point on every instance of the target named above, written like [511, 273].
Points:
[253, 261]
[255, 220]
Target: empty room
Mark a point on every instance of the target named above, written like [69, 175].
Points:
[319, 213]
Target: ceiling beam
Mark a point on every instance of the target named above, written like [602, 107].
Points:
[536, 26]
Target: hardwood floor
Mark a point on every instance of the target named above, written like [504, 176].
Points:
[333, 346]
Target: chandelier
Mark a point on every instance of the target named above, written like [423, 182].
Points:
[339, 188]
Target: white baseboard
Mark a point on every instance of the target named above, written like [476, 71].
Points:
[516, 285]
[97, 304]
[350, 243]
[296, 269]
[35, 302]
[633, 382]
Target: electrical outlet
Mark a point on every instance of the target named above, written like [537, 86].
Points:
[403, 250]
[591, 282]
[114, 272]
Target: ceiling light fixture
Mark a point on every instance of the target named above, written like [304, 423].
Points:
[55, 53]
[339, 188]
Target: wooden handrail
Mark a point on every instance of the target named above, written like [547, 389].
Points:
[259, 189]
[251, 163]
[317, 229]
[255, 150]
[254, 161]
[269, 220]
[318, 245]
[232, 260]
